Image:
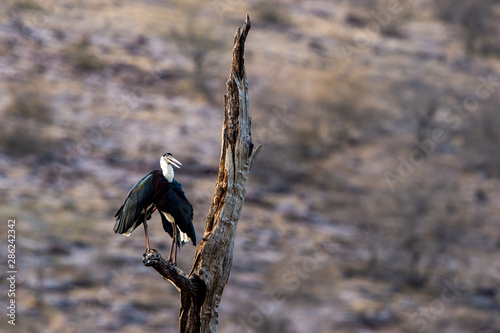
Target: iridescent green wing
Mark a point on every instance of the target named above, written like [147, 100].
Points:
[139, 200]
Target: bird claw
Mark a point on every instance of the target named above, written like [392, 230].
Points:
[149, 258]
[146, 252]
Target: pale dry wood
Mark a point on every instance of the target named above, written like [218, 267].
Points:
[201, 290]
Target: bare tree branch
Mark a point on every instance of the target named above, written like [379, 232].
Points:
[201, 290]
[171, 273]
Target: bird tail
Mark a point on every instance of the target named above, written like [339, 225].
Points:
[182, 237]
[191, 234]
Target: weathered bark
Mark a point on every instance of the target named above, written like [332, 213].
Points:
[201, 290]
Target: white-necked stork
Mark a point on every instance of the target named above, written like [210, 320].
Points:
[158, 191]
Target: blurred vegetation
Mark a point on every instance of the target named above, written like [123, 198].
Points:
[338, 116]
[23, 4]
[481, 149]
[480, 21]
[81, 56]
[196, 39]
[426, 233]
[24, 126]
[272, 13]
[389, 17]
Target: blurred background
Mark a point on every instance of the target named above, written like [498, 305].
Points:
[373, 206]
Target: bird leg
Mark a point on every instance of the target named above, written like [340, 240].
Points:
[171, 249]
[175, 254]
[174, 244]
[176, 235]
[146, 233]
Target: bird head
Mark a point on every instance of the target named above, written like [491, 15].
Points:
[166, 162]
[169, 159]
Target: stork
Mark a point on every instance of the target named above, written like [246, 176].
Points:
[158, 191]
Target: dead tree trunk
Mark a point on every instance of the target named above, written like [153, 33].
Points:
[202, 289]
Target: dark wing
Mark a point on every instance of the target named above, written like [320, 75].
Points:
[181, 210]
[139, 200]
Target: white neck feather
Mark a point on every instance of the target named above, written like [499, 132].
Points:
[167, 170]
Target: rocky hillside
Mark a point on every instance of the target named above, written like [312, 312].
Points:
[373, 206]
